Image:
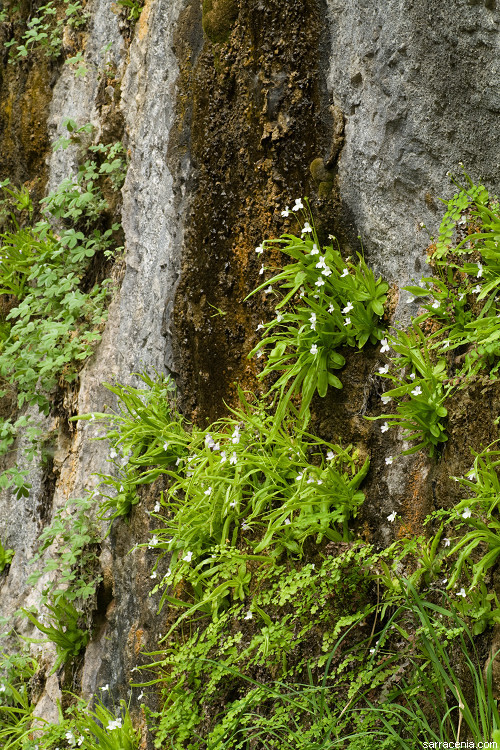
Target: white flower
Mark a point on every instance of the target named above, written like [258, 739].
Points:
[319, 481]
[462, 592]
[321, 263]
[259, 354]
[320, 282]
[234, 458]
[385, 346]
[70, 737]
[153, 574]
[446, 343]
[307, 228]
[259, 250]
[326, 272]
[287, 522]
[286, 212]
[386, 399]
[178, 461]
[223, 456]
[140, 696]
[348, 308]
[310, 481]
[392, 516]
[331, 309]
[417, 391]
[389, 460]
[105, 688]
[165, 446]
[383, 370]
[312, 321]
[209, 440]
[330, 456]
[372, 651]
[313, 349]
[248, 616]
[314, 250]
[235, 437]
[412, 376]
[261, 325]
[168, 573]
[344, 273]
[436, 305]
[299, 477]
[113, 453]
[467, 513]
[2, 688]
[298, 204]
[268, 290]
[446, 542]
[188, 557]
[384, 427]
[410, 300]
[262, 269]
[156, 509]
[479, 270]
[233, 504]
[476, 289]
[116, 724]
[444, 581]
[472, 476]
[245, 526]
[153, 542]
[347, 321]
[208, 492]
[279, 317]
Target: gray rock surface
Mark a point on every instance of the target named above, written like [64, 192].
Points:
[419, 84]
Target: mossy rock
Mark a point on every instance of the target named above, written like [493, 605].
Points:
[218, 19]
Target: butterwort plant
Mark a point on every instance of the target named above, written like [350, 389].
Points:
[325, 303]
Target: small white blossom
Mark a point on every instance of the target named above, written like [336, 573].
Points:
[386, 399]
[259, 250]
[348, 308]
[165, 446]
[392, 517]
[313, 321]
[223, 456]
[298, 204]
[235, 437]
[286, 213]
[232, 504]
[347, 321]
[113, 453]
[245, 526]
[412, 376]
[307, 228]
[287, 522]
[467, 513]
[260, 326]
[326, 271]
[383, 370]
[299, 477]
[156, 509]
[178, 461]
[268, 290]
[105, 688]
[234, 458]
[331, 309]
[153, 574]
[476, 289]
[313, 349]
[116, 724]
[384, 427]
[385, 346]
[279, 317]
[2, 688]
[314, 250]
[261, 270]
[320, 282]
[462, 592]
[248, 616]
[372, 651]
[153, 542]
[389, 460]
[140, 696]
[259, 354]
[445, 344]
[479, 270]
[344, 273]
[436, 305]
[188, 557]
[446, 542]
[330, 456]
[417, 391]
[321, 263]
[208, 492]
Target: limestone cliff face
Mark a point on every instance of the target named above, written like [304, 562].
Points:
[228, 111]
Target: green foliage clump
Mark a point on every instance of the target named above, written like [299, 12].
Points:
[44, 30]
[325, 303]
[55, 312]
[6, 556]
